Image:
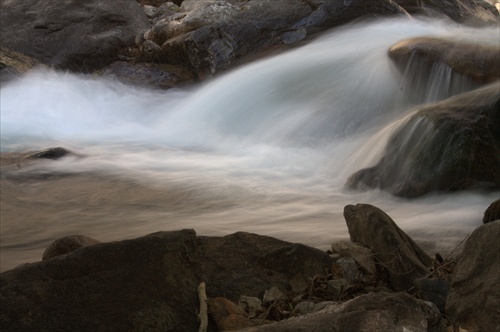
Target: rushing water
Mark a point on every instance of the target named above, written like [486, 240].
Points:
[266, 149]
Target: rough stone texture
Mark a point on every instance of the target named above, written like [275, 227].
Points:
[492, 213]
[401, 258]
[447, 146]
[71, 34]
[474, 299]
[13, 64]
[66, 245]
[371, 312]
[362, 255]
[148, 283]
[433, 290]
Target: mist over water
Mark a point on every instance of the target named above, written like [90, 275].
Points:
[266, 148]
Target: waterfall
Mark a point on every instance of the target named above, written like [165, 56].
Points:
[265, 148]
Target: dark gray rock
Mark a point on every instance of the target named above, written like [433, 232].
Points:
[72, 34]
[50, 153]
[66, 245]
[447, 146]
[474, 300]
[433, 290]
[402, 259]
[148, 283]
[370, 312]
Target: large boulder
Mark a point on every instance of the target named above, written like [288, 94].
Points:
[437, 68]
[148, 283]
[396, 253]
[71, 34]
[474, 300]
[370, 312]
[447, 146]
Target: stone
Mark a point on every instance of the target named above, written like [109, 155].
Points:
[335, 289]
[398, 255]
[370, 312]
[71, 34]
[251, 305]
[50, 153]
[272, 295]
[362, 255]
[434, 290]
[307, 307]
[492, 213]
[473, 303]
[447, 146]
[348, 269]
[14, 64]
[66, 245]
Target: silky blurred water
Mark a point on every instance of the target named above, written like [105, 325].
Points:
[266, 148]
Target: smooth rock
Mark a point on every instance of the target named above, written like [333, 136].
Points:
[66, 245]
[492, 213]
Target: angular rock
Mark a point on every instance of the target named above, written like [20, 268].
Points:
[474, 299]
[492, 213]
[401, 258]
[371, 312]
[66, 245]
[72, 34]
[448, 146]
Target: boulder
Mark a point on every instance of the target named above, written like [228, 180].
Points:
[434, 290]
[13, 64]
[66, 245]
[447, 146]
[72, 34]
[398, 255]
[474, 299]
[149, 283]
[370, 312]
[492, 213]
[437, 68]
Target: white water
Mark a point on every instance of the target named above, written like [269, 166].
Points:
[265, 149]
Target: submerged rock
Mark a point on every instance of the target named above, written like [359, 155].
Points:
[448, 146]
[51, 153]
[474, 299]
[398, 255]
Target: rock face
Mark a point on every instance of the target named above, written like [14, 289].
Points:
[371, 312]
[76, 35]
[474, 300]
[13, 64]
[148, 283]
[448, 146]
[401, 258]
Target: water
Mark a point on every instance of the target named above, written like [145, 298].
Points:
[265, 149]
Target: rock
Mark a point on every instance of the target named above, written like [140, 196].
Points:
[75, 35]
[464, 11]
[447, 146]
[251, 305]
[370, 312]
[492, 213]
[272, 295]
[401, 258]
[348, 269]
[148, 283]
[66, 245]
[307, 307]
[423, 59]
[474, 299]
[149, 75]
[51, 153]
[13, 64]
[433, 290]
[362, 255]
[335, 289]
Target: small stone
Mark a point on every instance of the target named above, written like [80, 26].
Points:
[298, 283]
[250, 304]
[273, 294]
[335, 289]
[348, 268]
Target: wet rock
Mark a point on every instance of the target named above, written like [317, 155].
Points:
[149, 75]
[492, 213]
[447, 146]
[66, 245]
[51, 153]
[474, 299]
[371, 312]
[75, 35]
[433, 290]
[401, 258]
[13, 64]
